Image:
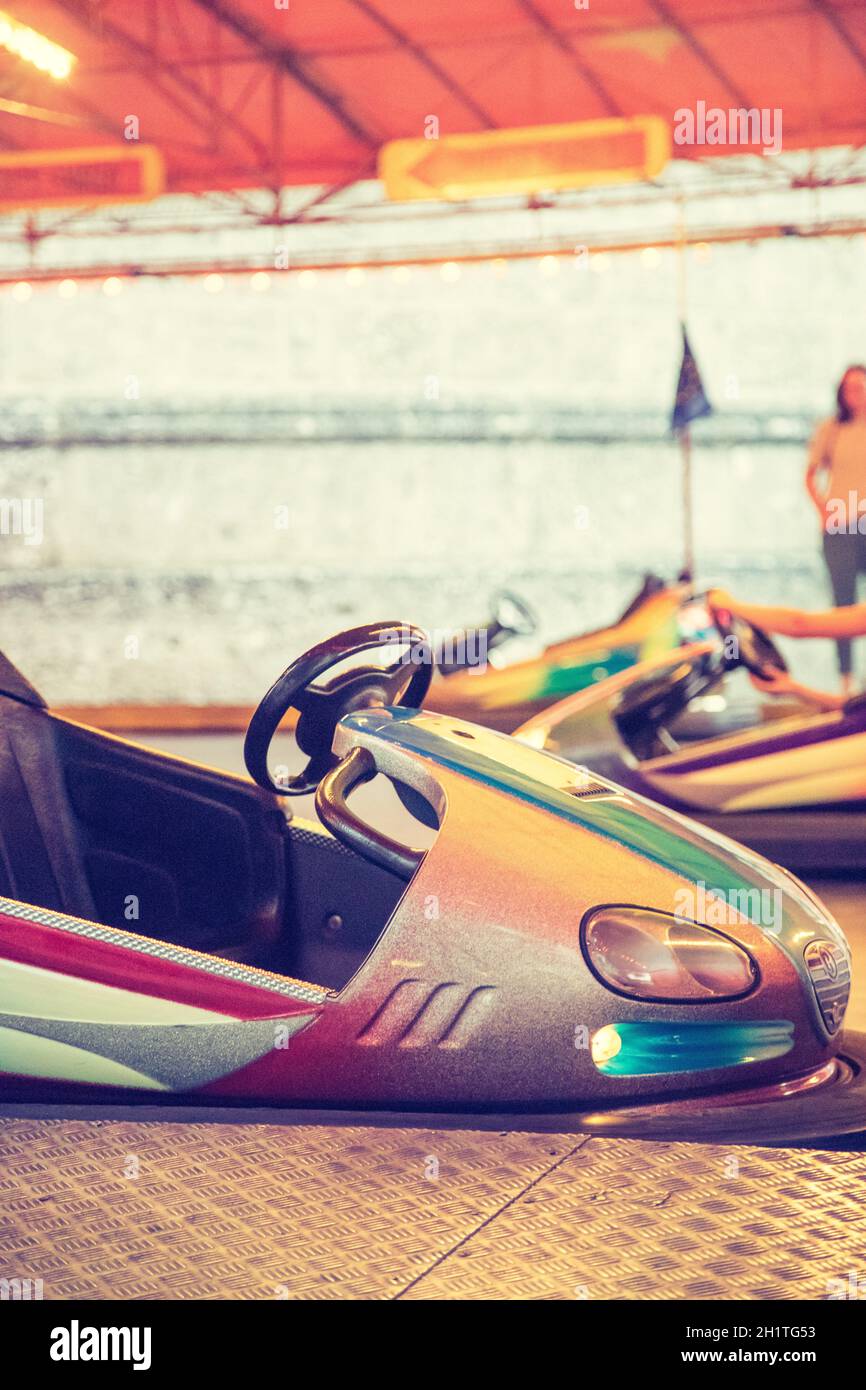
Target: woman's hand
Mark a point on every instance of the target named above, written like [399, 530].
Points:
[781, 683]
[775, 682]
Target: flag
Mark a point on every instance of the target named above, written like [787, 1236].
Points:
[691, 400]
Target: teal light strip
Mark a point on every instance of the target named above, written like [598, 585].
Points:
[664, 1048]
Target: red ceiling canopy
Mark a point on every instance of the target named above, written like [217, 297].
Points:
[245, 93]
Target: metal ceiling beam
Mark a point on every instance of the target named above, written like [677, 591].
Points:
[561, 248]
[670, 20]
[98, 119]
[290, 62]
[837, 24]
[148, 64]
[559, 41]
[751, 181]
[323, 196]
[421, 56]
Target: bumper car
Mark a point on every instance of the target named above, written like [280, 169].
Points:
[487, 674]
[563, 955]
[689, 730]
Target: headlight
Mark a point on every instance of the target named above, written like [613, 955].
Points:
[654, 955]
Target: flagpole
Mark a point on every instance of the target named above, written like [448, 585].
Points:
[688, 508]
[685, 434]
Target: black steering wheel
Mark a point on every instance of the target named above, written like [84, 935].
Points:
[512, 617]
[652, 702]
[512, 614]
[321, 707]
[647, 706]
[751, 646]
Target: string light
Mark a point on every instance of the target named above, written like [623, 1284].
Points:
[34, 48]
[214, 282]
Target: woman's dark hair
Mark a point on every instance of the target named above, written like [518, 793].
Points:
[843, 410]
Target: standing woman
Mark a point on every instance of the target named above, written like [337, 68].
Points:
[838, 450]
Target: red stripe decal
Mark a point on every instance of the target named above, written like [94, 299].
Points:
[52, 948]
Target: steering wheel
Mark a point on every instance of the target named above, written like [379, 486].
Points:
[655, 701]
[752, 647]
[321, 707]
[513, 614]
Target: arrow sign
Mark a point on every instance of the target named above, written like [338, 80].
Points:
[531, 159]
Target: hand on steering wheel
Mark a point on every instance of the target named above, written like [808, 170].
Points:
[321, 707]
[751, 647]
[775, 683]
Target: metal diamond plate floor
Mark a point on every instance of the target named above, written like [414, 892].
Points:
[121, 1210]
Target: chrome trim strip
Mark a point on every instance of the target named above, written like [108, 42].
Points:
[179, 955]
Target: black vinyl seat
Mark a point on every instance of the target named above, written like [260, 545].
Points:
[104, 829]
[101, 828]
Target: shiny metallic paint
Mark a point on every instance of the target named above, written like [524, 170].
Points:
[476, 995]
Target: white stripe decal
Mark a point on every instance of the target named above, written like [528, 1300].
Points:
[40, 993]
[834, 770]
[25, 1055]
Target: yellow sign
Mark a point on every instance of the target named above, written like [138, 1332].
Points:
[531, 159]
[63, 178]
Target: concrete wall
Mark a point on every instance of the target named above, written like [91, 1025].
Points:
[223, 561]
